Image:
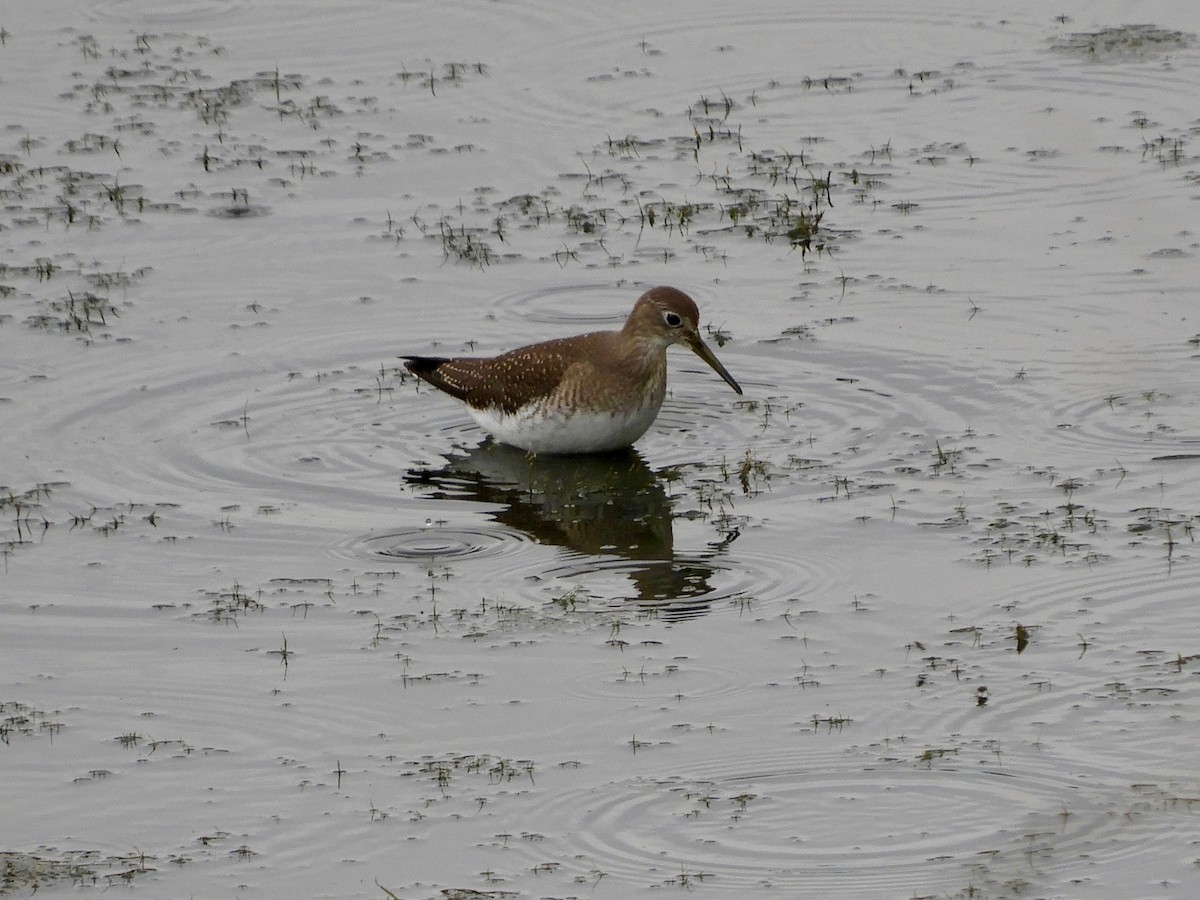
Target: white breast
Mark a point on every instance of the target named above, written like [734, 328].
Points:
[541, 430]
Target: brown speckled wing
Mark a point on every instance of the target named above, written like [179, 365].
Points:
[506, 382]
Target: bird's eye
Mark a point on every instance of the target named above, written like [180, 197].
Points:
[672, 318]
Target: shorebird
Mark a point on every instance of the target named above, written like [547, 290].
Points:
[585, 394]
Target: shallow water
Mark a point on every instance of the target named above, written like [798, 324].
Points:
[913, 617]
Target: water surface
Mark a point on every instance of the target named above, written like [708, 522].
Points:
[913, 617]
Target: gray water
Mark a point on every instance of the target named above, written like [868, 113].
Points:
[913, 617]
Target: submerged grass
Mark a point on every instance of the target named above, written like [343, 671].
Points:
[20, 720]
[22, 872]
[764, 195]
[734, 197]
[1124, 40]
[127, 97]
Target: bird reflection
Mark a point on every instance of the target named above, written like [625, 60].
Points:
[603, 505]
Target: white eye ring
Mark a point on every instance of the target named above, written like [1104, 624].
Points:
[672, 318]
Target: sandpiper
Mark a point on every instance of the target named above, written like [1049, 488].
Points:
[585, 394]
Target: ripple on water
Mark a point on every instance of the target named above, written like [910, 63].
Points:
[744, 580]
[322, 433]
[1131, 425]
[577, 307]
[1110, 673]
[844, 824]
[697, 679]
[822, 407]
[173, 14]
[653, 65]
[436, 543]
[1102, 656]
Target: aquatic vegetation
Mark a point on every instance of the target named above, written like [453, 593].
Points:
[21, 720]
[249, 574]
[765, 195]
[22, 872]
[1124, 41]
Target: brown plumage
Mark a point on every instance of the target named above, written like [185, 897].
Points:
[582, 394]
